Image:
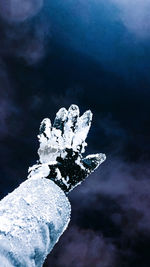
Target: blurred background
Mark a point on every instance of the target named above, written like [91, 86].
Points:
[96, 54]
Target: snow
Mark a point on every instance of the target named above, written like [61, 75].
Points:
[69, 131]
[32, 218]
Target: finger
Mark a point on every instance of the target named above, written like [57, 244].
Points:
[73, 114]
[70, 125]
[58, 129]
[92, 162]
[45, 130]
[82, 129]
[61, 117]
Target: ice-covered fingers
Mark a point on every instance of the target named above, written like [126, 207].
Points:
[61, 117]
[82, 128]
[45, 130]
[69, 130]
[58, 129]
[91, 162]
[71, 124]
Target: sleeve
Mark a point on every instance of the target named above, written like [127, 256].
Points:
[32, 218]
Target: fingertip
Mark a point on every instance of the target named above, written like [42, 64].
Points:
[74, 110]
[45, 125]
[92, 162]
[61, 117]
[73, 107]
[89, 113]
[62, 113]
[46, 121]
[101, 157]
[87, 116]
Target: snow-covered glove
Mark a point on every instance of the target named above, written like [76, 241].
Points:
[61, 148]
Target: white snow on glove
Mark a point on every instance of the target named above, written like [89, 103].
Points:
[61, 149]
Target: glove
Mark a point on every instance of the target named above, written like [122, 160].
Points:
[61, 149]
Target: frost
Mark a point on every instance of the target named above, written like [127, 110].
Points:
[61, 148]
[39, 170]
[32, 218]
[69, 131]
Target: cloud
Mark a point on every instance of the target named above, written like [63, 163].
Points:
[7, 106]
[135, 16]
[95, 28]
[127, 185]
[82, 248]
[109, 32]
[24, 30]
[17, 11]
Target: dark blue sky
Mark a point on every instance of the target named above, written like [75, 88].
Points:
[95, 54]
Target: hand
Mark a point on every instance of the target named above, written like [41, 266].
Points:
[62, 146]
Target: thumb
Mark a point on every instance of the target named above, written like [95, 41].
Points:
[91, 162]
[45, 129]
